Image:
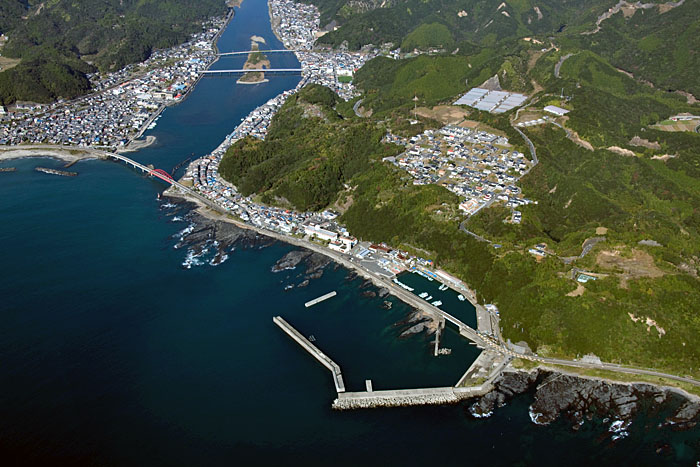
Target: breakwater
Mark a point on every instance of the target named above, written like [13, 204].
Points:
[320, 299]
[314, 351]
[407, 397]
[7, 169]
[62, 173]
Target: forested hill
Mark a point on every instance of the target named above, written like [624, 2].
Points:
[61, 40]
[617, 184]
[657, 41]
[480, 21]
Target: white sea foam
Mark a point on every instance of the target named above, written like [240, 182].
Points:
[619, 428]
[191, 259]
[534, 416]
[475, 414]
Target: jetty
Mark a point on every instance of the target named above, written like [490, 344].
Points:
[314, 351]
[320, 299]
[404, 397]
[62, 173]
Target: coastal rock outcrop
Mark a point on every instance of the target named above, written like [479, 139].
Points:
[291, 260]
[314, 263]
[686, 417]
[204, 233]
[556, 394]
[506, 386]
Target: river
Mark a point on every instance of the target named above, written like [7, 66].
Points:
[112, 352]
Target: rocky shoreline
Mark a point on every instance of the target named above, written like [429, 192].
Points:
[555, 394]
[579, 399]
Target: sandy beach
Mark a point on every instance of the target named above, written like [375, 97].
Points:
[67, 154]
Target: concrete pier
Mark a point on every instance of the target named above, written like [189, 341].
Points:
[314, 351]
[320, 299]
[406, 397]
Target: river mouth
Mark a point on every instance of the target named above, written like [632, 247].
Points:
[114, 352]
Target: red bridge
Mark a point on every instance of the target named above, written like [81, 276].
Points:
[163, 175]
[160, 173]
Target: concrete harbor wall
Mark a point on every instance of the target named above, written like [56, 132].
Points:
[314, 351]
[407, 397]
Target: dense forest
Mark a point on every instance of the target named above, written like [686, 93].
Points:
[59, 42]
[310, 152]
[658, 44]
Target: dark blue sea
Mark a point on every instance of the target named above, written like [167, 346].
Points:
[114, 353]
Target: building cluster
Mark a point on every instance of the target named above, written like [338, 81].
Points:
[334, 69]
[323, 68]
[476, 165]
[123, 104]
[297, 26]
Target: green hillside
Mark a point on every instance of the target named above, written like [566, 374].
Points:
[650, 195]
[479, 21]
[60, 41]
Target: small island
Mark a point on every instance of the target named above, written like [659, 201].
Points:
[256, 61]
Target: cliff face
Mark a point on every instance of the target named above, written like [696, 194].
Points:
[556, 394]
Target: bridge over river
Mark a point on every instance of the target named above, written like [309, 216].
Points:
[246, 52]
[252, 70]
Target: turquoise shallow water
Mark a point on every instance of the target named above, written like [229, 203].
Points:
[111, 352]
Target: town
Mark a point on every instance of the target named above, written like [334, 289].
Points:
[473, 164]
[123, 105]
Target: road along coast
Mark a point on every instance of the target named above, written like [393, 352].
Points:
[217, 198]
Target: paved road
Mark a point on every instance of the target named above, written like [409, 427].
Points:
[533, 151]
[493, 345]
[620, 369]
[356, 107]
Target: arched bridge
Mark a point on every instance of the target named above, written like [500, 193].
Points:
[160, 173]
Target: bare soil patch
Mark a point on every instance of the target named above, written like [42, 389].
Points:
[638, 264]
[622, 151]
[446, 114]
[577, 292]
[6, 63]
[637, 141]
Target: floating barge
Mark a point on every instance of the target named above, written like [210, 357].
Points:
[320, 299]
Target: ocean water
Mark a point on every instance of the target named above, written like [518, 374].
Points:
[112, 352]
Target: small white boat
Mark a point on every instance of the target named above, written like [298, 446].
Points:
[437, 303]
[423, 295]
[461, 297]
[429, 298]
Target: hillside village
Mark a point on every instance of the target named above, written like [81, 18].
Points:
[475, 165]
